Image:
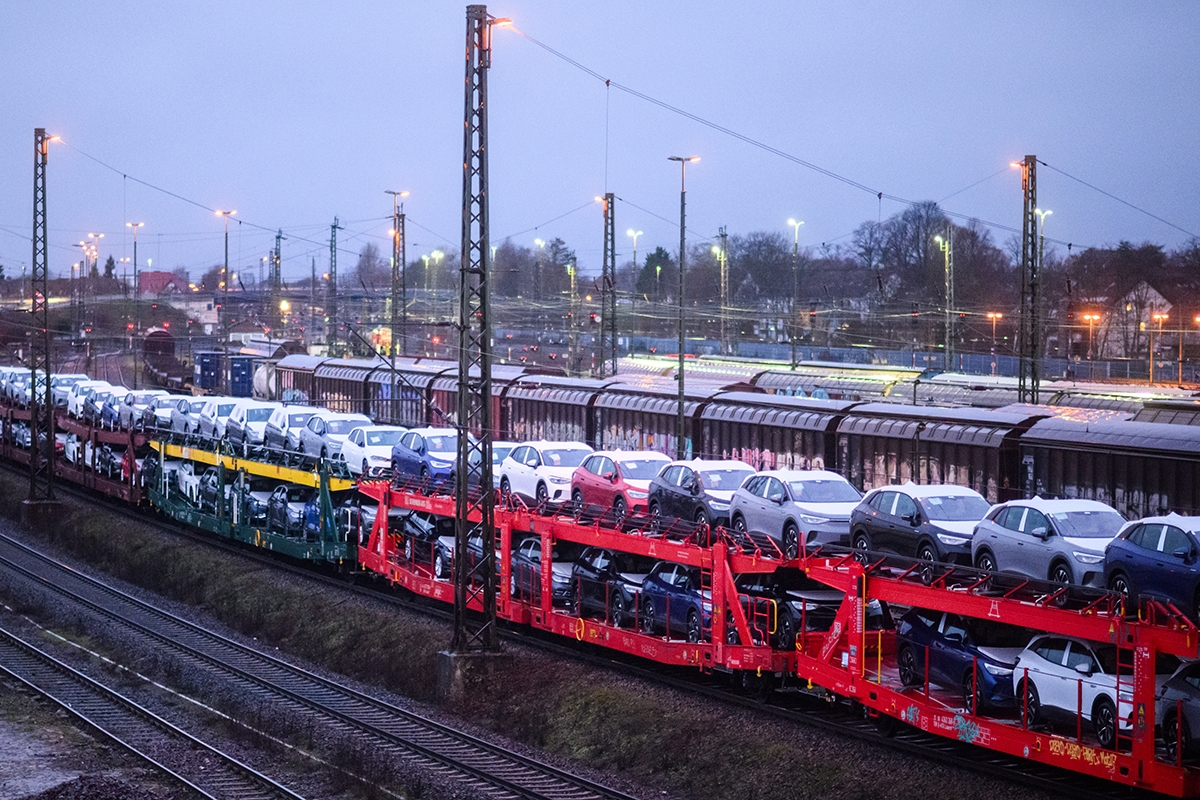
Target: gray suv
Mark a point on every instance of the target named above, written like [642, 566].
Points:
[1059, 540]
[794, 506]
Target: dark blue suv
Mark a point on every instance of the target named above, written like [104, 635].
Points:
[673, 601]
[1157, 557]
[953, 645]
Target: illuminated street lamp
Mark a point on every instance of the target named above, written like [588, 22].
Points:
[1092, 319]
[719, 252]
[1160, 319]
[795, 286]
[994, 316]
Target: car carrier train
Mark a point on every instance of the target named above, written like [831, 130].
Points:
[827, 621]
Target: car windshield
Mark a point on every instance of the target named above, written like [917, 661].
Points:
[640, 469]
[341, 427]
[166, 402]
[383, 438]
[258, 414]
[985, 634]
[442, 444]
[724, 480]
[196, 406]
[66, 381]
[143, 398]
[224, 409]
[564, 458]
[1089, 524]
[500, 452]
[298, 420]
[955, 508]
[824, 491]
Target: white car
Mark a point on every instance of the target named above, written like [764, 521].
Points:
[797, 507]
[80, 393]
[247, 423]
[189, 481]
[542, 470]
[325, 431]
[213, 416]
[369, 449]
[160, 408]
[134, 405]
[1059, 677]
[284, 426]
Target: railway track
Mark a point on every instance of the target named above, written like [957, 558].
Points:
[476, 765]
[194, 765]
[803, 708]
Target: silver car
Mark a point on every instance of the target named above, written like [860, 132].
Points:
[213, 414]
[185, 416]
[794, 506]
[284, 426]
[134, 406]
[1059, 540]
[325, 432]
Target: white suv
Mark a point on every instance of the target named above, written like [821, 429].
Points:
[542, 470]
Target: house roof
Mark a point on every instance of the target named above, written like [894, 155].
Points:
[160, 282]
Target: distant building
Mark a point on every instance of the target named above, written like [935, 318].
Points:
[161, 283]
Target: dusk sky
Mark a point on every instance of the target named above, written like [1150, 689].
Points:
[295, 112]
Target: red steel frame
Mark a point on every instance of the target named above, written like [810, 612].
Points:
[848, 660]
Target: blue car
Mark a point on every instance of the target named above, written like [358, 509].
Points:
[954, 645]
[1157, 557]
[427, 454]
[673, 602]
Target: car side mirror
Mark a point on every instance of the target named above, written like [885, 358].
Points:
[911, 519]
[694, 488]
[1041, 533]
[1182, 553]
[954, 637]
[612, 477]
[777, 499]
[1084, 669]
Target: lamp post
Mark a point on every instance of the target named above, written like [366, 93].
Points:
[223, 319]
[946, 245]
[1160, 319]
[1092, 319]
[399, 283]
[680, 445]
[994, 316]
[137, 296]
[795, 286]
[657, 283]
[537, 284]
[634, 234]
[719, 252]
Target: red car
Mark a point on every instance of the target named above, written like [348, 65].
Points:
[616, 479]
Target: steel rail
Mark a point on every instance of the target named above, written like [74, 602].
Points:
[136, 729]
[480, 765]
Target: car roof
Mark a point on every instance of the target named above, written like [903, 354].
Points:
[341, 415]
[1188, 523]
[391, 428]
[804, 475]
[929, 490]
[633, 455]
[542, 444]
[1058, 506]
[705, 464]
[247, 402]
[435, 431]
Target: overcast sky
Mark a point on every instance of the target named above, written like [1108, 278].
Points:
[295, 112]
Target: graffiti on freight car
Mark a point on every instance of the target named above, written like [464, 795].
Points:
[967, 731]
[1079, 752]
[911, 715]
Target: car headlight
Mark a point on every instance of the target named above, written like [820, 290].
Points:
[809, 519]
[719, 505]
[559, 580]
[1088, 558]
[952, 541]
[998, 671]
[557, 480]
[638, 495]
[379, 459]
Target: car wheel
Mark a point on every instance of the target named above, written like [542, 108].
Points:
[985, 561]
[1174, 735]
[701, 517]
[505, 487]
[619, 507]
[972, 691]
[648, 615]
[1060, 573]
[1032, 702]
[1104, 723]
[577, 500]
[693, 626]
[927, 556]
[791, 541]
[408, 550]
[787, 631]
[861, 544]
[616, 609]
[541, 493]
[907, 662]
[739, 523]
[324, 453]
[1120, 584]
[439, 565]
[363, 473]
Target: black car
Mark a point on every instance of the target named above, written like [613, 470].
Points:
[696, 491]
[929, 522]
[608, 584]
[428, 540]
[779, 605]
[526, 580]
[210, 488]
[285, 508]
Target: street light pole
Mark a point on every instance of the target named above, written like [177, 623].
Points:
[137, 307]
[994, 316]
[399, 284]
[680, 444]
[795, 326]
[946, 245]
[223, 319]
[1091, 321]
[1159, 318]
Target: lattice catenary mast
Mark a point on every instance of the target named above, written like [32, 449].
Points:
[331, 300]
[275, 313]
[475, 632]
[41, 411]
[608, 306]
[1030, 334]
